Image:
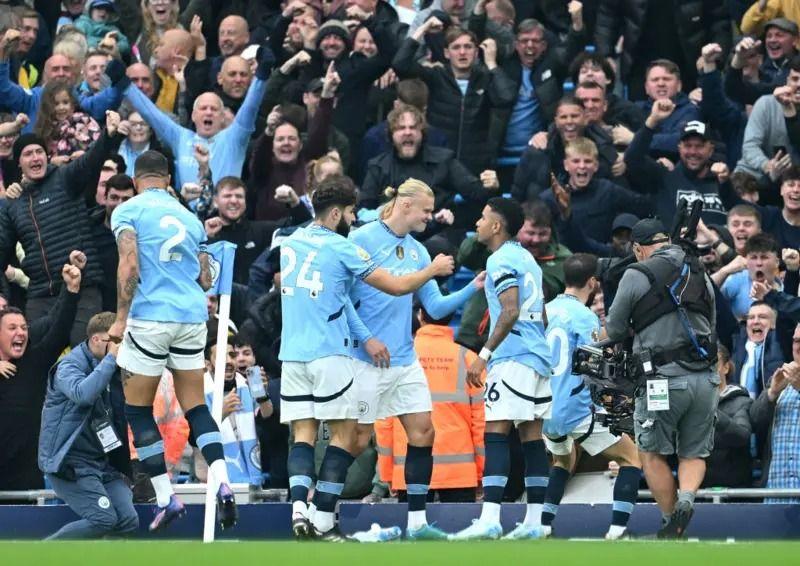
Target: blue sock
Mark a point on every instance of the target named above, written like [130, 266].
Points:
[626, 488]
[300, 467]
[498, 463]
[536, 470]
[206, 433]
[418, 471]
[332, 474]
[147, 439]
[555, 491]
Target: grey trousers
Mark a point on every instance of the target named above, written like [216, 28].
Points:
[103, 503]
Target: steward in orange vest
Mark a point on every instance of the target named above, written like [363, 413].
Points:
[458, 418]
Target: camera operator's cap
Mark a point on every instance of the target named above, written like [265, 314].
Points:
[151, 163]
[625, 220]
[645, 231]
[695, 128]
[782, 23]
[314, 85]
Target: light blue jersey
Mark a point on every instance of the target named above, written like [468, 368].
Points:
[513, 266]
[318, 267]
[388, 317]
[169, 239]
[569, 324]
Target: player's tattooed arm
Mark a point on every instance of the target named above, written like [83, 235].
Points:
[509, 313]
[127, 273]
[205, 278]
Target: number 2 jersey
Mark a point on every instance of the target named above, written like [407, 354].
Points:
[318, 268]
[169, 238]
[570, 324]
[509, 266]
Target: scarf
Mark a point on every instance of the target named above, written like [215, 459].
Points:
[749, 378]
[168, 93]
[242, 453]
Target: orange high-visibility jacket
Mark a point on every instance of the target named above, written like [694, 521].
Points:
[458, 417]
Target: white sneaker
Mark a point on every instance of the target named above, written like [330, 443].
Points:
[378, 534]
[617, 536]
[479, 530]
[527, 532]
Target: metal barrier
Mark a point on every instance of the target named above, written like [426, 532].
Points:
[193, 493]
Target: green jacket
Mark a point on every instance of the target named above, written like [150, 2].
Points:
[473, 255]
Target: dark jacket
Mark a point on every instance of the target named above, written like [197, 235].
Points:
[377, 140]
[669, 187]
[762, 417]
[252, 237]
[465, 119]
[730, 463]
[22, 396]
[623, 112]
[771, 360]
[107, 256]
[771, 74]
[435, 166]
[532, 176]
[50, 220]
[668, 133]
[547, 75]
[263, 327]
[698, 22]
[78, 390]
[596, 206]
[727, 119]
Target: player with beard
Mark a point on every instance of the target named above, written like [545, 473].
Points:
[318, 268]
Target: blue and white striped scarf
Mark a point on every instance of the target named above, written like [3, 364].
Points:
[242, 453]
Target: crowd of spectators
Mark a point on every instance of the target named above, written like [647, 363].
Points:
[592, 114]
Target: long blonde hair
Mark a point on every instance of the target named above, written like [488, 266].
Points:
[150, 29]
[407, 189]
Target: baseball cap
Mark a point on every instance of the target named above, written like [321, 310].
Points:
[624, 220]
[782, 23]
[695, 128]
[645, 231]
[151, 163]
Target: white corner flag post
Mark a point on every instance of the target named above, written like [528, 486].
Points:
[221, 255]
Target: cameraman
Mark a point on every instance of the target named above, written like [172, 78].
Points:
[675, 411]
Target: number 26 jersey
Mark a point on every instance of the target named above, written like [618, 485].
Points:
[511, 265]
[169, 239]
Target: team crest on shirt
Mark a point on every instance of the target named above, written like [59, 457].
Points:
[400, 252]
[414, 255]
[363, 408]
[362, 253]
[213, 268]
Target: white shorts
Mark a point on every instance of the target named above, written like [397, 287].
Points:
[590, 434]
[322, 389]
[515, 392]
[390, 392]
[148, 347]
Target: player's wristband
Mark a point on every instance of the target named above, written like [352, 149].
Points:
[485, 354]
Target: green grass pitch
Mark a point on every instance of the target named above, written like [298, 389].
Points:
[499, 553]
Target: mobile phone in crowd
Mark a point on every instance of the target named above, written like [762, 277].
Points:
[255, 384]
